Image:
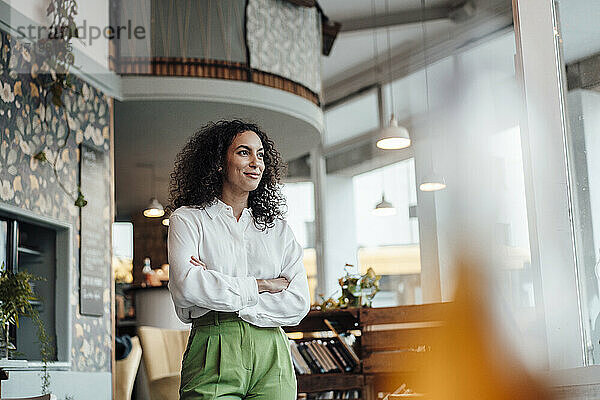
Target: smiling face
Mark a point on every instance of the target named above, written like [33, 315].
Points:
[244, 163]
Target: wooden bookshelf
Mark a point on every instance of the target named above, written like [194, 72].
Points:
[342, 321]
[311, 383]
[396, 344]
[392, 344]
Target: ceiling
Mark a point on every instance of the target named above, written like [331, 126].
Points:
[355, 48]
[353, 52]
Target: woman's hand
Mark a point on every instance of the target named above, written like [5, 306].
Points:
[272, 285]
[195, 261]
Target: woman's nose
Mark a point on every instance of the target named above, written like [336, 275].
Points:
[254, 161]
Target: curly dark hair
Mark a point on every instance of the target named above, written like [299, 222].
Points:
[197, 177]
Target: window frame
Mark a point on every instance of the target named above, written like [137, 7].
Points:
[63, 309]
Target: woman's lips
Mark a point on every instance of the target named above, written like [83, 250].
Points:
[252, 175]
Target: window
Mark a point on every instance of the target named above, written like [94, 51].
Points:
[389, 244]
[42, 248]
[581, 53]
[122, 240]
[301, 218]
[351, 118]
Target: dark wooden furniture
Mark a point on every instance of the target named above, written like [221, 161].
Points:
[343, 321]
[396, 342]
[393, 345]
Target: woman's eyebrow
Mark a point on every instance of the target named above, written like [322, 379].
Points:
[247, 147]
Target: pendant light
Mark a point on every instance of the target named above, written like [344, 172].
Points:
[432, 181]
[384, 208]
[393, 136]
[165, 221]
[154, 209]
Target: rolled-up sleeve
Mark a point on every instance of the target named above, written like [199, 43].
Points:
[191, 285]
[288, 307]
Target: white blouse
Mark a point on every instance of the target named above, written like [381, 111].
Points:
[236, 253]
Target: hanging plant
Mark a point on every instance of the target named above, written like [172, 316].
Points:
[59, 58]
[16, 300]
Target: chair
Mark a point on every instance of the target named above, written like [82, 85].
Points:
[126, 370]
[162, 351]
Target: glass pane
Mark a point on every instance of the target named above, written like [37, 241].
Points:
[301, 218]
[122, 239]
[3, 244]
[580, 35]
[122, 244]
[463, 114]
[389, 243]
[352, 118]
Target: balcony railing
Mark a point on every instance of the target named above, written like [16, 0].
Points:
[191, 38]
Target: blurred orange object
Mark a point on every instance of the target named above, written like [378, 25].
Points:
[470, 360]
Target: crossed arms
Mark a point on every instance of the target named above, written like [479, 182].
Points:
[281, 301]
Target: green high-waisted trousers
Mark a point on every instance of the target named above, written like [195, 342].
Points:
[229, 359]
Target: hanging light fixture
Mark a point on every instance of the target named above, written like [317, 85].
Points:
[154, 209]
[165, 221]
[393, 136]
[384, 208]
[432, 181]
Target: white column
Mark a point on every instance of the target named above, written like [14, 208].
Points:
[428, 235]
[546, 179]
[317, 175]
[340, 230]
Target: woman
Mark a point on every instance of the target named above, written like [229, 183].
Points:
[236, 270]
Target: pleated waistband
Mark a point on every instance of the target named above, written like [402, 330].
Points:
[215, 318]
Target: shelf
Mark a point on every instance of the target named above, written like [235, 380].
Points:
[342, 320]
[310, 383]
[26, 250]
[124, 323]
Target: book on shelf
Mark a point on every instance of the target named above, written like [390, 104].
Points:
[315, 357]
[340, 354]
[299, 362]
[346, 340]
[306, 353]
[319, 356]
[321, 353]
[335, 365]
[334, 394]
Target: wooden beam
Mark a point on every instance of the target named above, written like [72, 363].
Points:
[303, 3]
[397, 18]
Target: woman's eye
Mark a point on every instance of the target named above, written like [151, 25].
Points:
[243, 153]
[260, 155]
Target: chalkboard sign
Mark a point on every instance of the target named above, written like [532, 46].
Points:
[94, 253]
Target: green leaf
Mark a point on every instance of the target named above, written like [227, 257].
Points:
[81, 201]
[41, 156]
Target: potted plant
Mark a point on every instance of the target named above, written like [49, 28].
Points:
[16, 301]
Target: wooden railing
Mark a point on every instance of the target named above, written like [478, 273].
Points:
[202, 68]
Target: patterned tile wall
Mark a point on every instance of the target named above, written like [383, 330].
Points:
[26, 183]
[285, 39]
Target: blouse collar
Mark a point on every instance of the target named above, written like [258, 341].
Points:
[219, 206]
